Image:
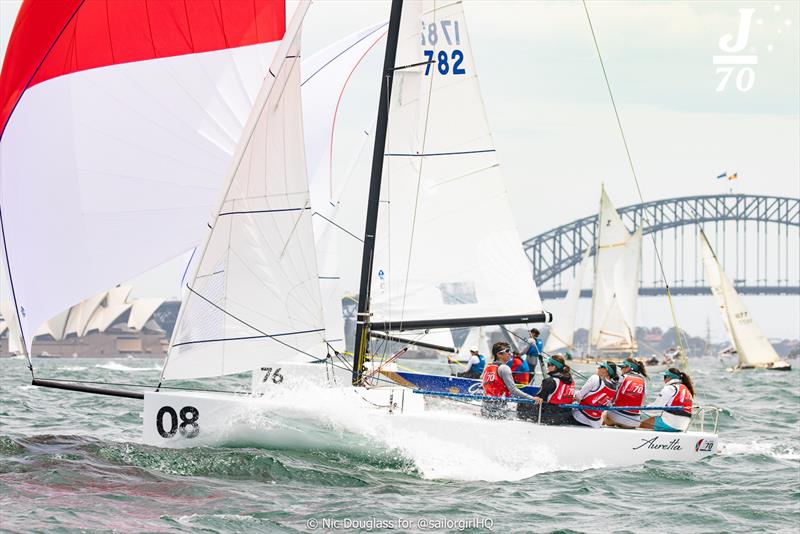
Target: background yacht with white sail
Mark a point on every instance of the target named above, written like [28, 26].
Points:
[752, 348]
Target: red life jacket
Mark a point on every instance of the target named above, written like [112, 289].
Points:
[493, 385]
[563, 394]
[600, 397]
[630, 393]
[683, 399]
[519, 378]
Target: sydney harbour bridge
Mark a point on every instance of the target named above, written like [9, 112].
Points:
[757, 239]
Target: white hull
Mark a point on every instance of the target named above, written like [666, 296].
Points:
[772, 366]
[435, 440]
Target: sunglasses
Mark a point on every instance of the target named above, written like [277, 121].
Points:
[504, 351]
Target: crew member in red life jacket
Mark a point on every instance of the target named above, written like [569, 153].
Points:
[520, 370]
[677, 392]
[499, 382]
[630, 392]
[557, 388]
[597, 391]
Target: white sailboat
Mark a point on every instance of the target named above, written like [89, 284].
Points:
[254, 300]
[749, 343]
[617, 270]
[266, 326]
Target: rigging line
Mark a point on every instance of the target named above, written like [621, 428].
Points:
[636, 181]
[430, 154]
[67, 380]
[345, 230]
[249, 212]
[226, 312]
[340, 54]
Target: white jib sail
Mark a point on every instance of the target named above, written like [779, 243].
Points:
[616, 282]
[254, 297]
[446, 244]
[751, 344]
[562, 330]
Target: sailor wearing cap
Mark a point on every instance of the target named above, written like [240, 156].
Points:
[557, 388]
[597, 391]
[474, 366]
[630, 392]
[677, 393]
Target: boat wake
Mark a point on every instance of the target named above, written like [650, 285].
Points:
[334, 420]
[761, 448]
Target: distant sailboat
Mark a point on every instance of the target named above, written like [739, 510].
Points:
[562, 330]
[751, 345]
[617, 270]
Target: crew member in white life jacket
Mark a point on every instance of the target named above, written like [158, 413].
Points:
[677, 392]
[630, 392]
[597, 391]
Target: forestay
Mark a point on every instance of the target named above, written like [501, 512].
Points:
[751, 344]
[254, 297]
[446, 244]
[616, 282]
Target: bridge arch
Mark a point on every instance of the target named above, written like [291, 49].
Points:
[561, 248]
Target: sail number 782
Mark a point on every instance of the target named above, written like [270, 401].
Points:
[443, 62]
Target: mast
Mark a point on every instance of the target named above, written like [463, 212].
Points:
[598, 226]
[362, 316]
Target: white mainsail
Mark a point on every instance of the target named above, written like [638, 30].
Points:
[562, 330]
[446, 244]
[254, 296]
[751, 344]
[616, 282]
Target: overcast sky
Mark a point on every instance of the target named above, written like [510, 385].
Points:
[555, 130]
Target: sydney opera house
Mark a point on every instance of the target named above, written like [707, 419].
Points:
[108, 324]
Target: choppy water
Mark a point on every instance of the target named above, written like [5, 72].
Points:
[72, 461]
